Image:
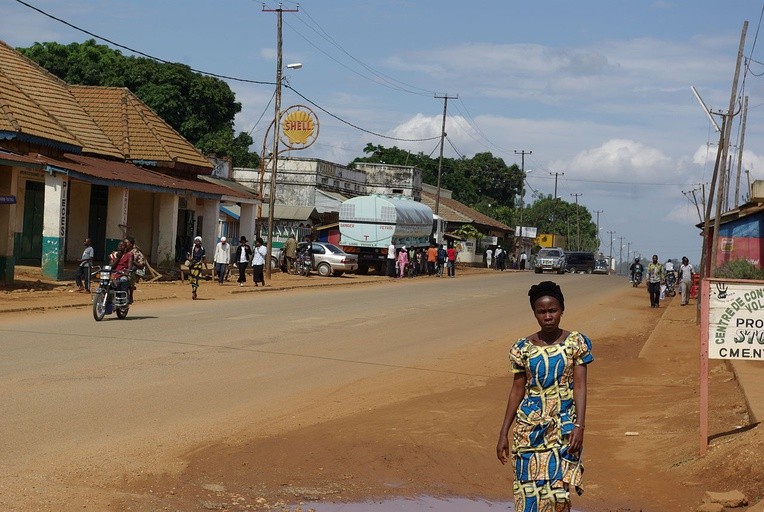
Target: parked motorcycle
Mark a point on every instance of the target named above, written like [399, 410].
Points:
[670, 283]
[303, 264]
[107, 299]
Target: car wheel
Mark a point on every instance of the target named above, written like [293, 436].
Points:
[324, 270]
[537, 270]
[588, 271]
[274, 263]
[572, 270]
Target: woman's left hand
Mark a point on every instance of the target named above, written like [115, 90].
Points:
[576, 441]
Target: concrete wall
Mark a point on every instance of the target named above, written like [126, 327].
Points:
[79, 209]
[140, 220]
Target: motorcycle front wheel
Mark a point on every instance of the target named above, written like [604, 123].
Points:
[122, 312]
[99, 309]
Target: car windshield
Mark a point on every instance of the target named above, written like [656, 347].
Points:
[602, 263]
[550, 253]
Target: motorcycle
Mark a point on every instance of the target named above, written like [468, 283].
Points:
[303, 264]
[637, 278]
[107, 298]
[670, 283]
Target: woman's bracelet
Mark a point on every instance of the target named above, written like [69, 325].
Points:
[579, 426]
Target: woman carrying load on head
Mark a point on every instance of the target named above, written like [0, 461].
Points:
[547, 404]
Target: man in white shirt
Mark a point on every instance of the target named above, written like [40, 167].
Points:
[685, 280]
[391, 260]
[83, 271]
[222, 258]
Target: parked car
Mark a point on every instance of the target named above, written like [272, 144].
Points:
[328, 259]
[550, 259]
[579, 262]
[601, 267]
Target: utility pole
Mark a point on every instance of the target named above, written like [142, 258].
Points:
[554, 202]
[610, 260]
[721, 160]
[556, 175]
[276, 133]
[743, 118]
[522, 154]
[620, 254]
[445, 99]
[578, 227]
[598, 229]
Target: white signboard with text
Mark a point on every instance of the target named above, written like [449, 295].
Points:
[736, 320]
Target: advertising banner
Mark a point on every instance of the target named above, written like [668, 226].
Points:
[736, 320]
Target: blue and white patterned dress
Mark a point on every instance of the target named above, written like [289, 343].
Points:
[544, 469]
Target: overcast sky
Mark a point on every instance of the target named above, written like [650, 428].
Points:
[597, 89]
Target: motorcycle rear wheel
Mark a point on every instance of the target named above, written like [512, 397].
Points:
[99, 310]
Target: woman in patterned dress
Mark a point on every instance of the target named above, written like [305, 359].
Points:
[547, 403]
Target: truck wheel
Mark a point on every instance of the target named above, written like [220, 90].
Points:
[324, 270]
[362, 270]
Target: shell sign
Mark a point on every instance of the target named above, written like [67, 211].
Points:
[300, 127]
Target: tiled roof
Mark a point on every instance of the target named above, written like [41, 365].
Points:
[136, 129]
[36, 103]
[461, 212]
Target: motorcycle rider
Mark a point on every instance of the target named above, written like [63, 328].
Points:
[122, 271]
[634, 268]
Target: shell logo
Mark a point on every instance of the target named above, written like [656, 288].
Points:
[298, 126]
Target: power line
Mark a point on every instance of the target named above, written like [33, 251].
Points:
[322, 109]
[216, 75]
[386, 80]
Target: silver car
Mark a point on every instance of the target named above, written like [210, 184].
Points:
[550, 259]
[328, 259]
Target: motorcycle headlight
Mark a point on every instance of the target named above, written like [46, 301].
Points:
[104, 275]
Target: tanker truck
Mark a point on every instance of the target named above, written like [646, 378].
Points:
[369, 224]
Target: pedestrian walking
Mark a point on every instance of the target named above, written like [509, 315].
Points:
[391, 260]
[222, 258]
[685, 280]
[403, 261]
[243, 255]
[655, 276]
[290, 253]
[547, 404]
[258, 261]
[195, 262]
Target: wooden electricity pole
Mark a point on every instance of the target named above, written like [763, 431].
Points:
[445, 99]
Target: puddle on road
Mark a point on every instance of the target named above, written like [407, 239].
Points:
[420, 504]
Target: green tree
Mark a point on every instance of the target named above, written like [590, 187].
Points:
[199, 107]
[559, 217]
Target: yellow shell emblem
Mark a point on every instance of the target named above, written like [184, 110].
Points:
[298, 127]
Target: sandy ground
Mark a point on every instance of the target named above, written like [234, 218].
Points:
[442, 444]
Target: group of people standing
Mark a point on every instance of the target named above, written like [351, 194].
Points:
[242, 257]
[500, 259]
[403, 262]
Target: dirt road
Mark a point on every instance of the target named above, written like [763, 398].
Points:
[275, 414]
